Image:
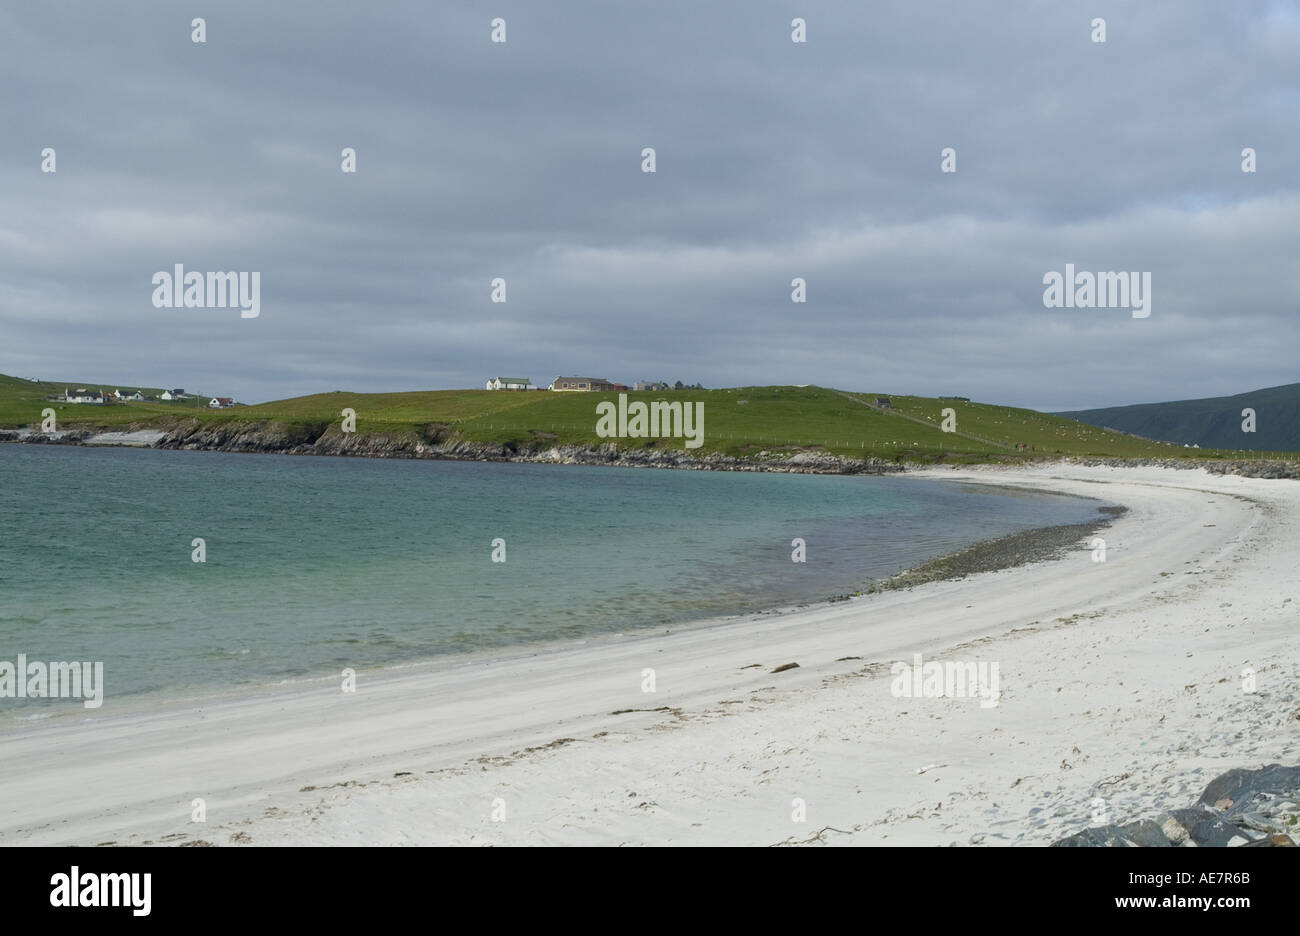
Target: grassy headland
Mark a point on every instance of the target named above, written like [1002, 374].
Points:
[738, 422]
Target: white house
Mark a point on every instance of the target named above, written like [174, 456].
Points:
[136, 395]
[172, 395]
[82, 395]
[509, 383]
[221, 402]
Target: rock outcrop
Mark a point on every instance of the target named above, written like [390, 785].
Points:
[1258, 808]
[1244, 468]
[441, 442]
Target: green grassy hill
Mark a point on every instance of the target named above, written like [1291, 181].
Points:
[1045, 433]
[21, 402]
[737, 421]
[1212, 422]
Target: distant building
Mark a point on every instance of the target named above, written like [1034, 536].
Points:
[82, 395]
[651, 385]
[134, 395]
[581, 384]
[172, 395]
[883, 402]
[221, 402]
[510, 383]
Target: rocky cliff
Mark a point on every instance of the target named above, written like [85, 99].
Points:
[442, 441]
[439, 441]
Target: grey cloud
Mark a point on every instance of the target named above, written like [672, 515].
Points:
[775, 160]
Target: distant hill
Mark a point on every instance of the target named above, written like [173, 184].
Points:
[1214, 422]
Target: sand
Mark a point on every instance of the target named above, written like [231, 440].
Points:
[1121, 694]
[139, 438]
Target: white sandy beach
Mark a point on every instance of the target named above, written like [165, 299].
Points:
[1120, 680]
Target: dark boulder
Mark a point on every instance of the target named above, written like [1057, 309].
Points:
[1246, 787]
[1141, 834]
[1200, 826]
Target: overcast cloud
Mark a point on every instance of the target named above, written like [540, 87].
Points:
[774, 160]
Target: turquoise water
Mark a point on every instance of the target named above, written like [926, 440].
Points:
[316, 564]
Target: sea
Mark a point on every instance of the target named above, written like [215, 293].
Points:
[313, 565]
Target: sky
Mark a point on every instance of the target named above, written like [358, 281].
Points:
[774, 159]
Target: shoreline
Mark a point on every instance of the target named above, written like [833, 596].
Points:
[806, 461]
[1108, 672]
[256, 440]
[1042, 544]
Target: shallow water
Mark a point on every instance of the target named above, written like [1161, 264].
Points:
[317, 564]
